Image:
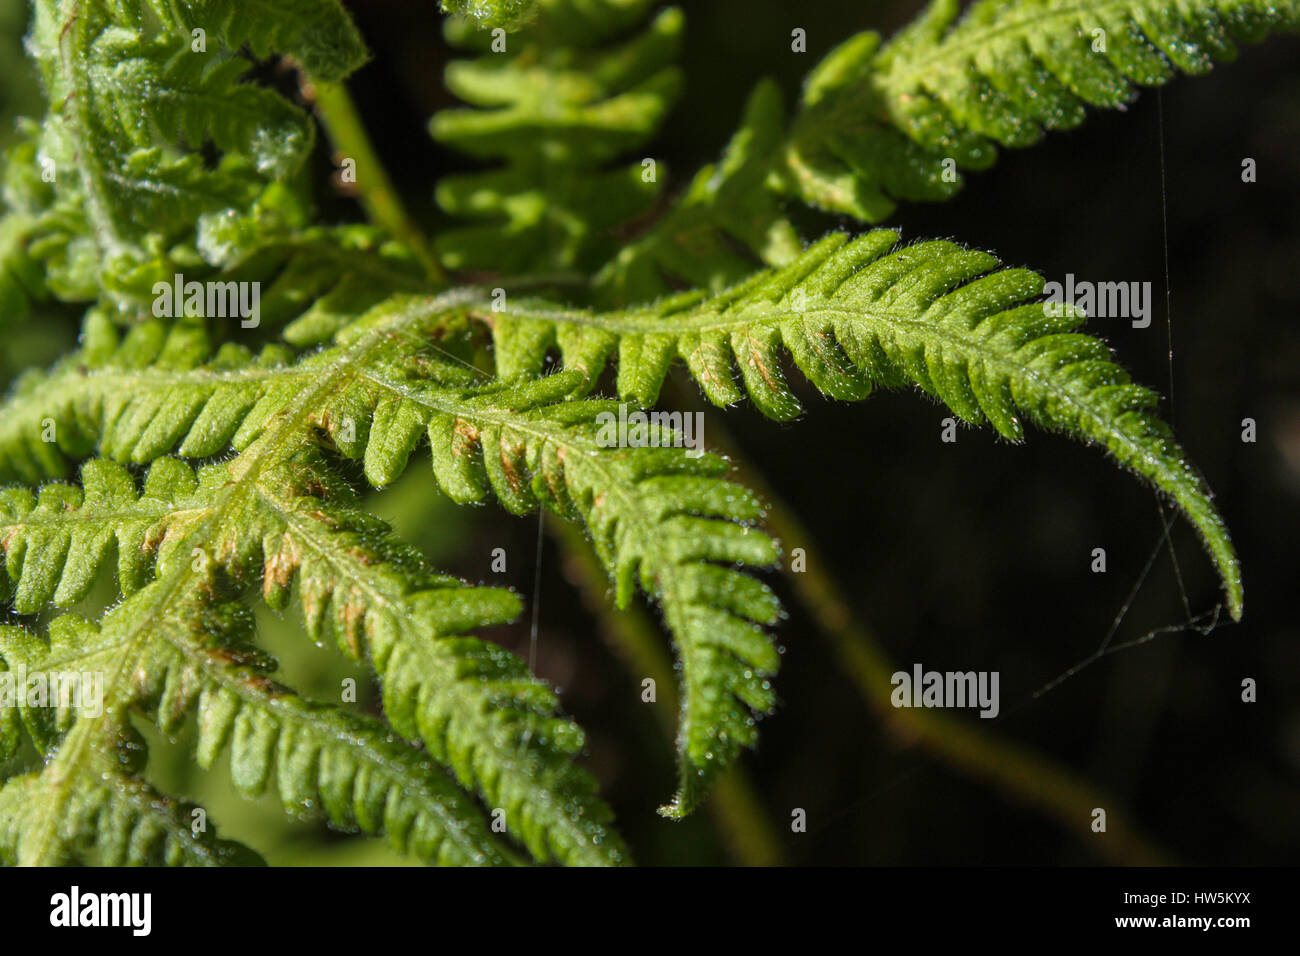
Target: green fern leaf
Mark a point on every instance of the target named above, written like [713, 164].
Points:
[558, 112]
[189, 656]
[319, 34]
[861, 313]
[657, 517]
[192, 99]
[472, 706]
[160, 155]
[55, 544]
[878, 122]
[475, 706]
[132, 110]
[105, 820]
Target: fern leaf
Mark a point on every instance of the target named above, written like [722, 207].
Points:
[856, 314]
[132, 108]
[558, 112]
[161, 155]
[55, 544]
[851, 314]
[104, 820]
[187, 656]
[658, 517]
[670, 523]
[319, 34]
[879, 122]
[163, 86]
[106, 174]
[474, 705]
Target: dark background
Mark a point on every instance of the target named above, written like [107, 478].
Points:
[973, 555]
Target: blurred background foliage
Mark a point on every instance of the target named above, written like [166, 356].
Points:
[963, 556]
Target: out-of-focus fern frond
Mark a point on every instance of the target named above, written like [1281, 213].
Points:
[561, 104]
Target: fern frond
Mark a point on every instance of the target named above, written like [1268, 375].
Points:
[105, 819]
[658, 517]
[878, 122]
[162, 159]
[475, 706]
[319, 34]
[56, 543]
[472, 705]
[672, 524]
[115, 170]
[193, 99]
[188, 655]
[68, 403]
[851, 314]
[122, 183]
[856, 314]
[558, 109]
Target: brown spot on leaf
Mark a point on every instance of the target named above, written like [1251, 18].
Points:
[280, 568]
[354, 616]
[464, 437]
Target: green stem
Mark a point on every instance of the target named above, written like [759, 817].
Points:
[733, 804]
[374, 190]
[1031, 778]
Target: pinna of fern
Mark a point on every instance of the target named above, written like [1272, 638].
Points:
[204, 469]
[880, 123]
